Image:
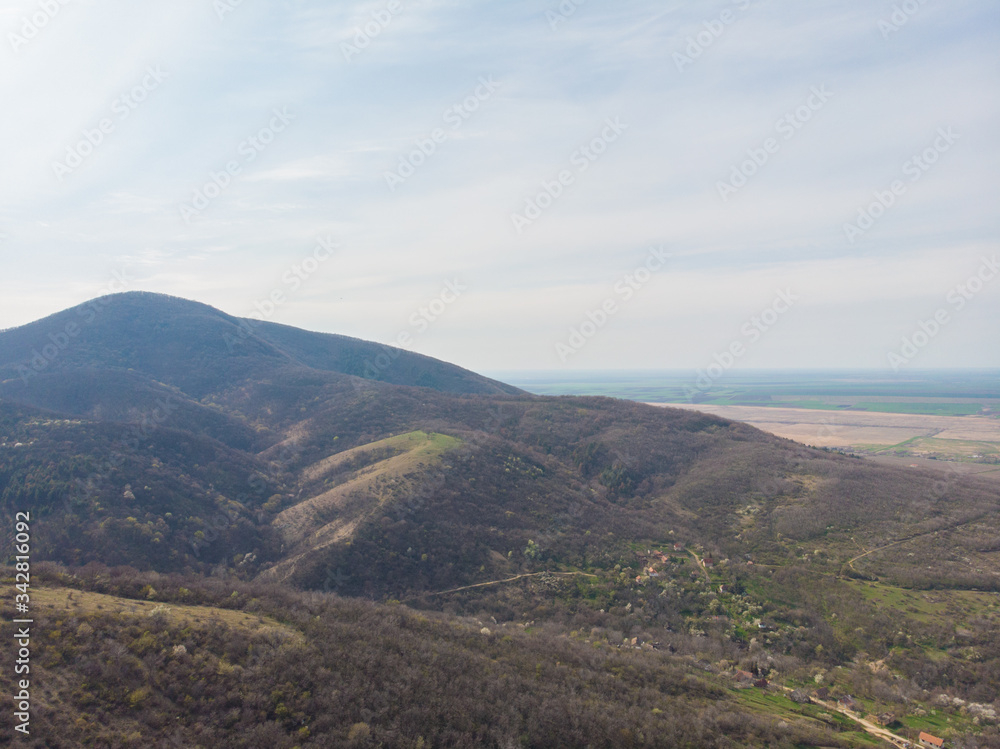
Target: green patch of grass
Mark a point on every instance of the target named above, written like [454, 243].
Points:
[940, 723]
[866, 739]
[930, 409]
[780, 707]
[427, 442]
[940, 607]
[814, 405]
[419, 445]
[953, 449]
[770, 702]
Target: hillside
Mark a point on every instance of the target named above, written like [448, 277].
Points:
[173, 654]
[434, 489]
[196, 348]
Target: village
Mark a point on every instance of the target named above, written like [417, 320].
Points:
[660, 566]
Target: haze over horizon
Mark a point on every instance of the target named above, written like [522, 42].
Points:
[702, 165]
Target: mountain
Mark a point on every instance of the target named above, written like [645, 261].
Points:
[167, 437]
[196, 348]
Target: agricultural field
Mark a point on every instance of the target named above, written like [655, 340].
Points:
[930, 416]
[919, 435]
[946, 393]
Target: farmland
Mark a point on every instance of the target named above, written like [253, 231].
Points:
[916, 419]
[940, 393]
[972, 438]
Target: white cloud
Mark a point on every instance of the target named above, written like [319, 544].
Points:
[656, 185]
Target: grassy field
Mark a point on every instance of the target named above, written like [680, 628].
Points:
[417, 445]
[780, 706]
[55, 601]
[951, 608]
[952, 449]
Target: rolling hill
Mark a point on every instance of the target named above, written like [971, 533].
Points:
[170, 438]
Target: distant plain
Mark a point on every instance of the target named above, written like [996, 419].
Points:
[918, 419]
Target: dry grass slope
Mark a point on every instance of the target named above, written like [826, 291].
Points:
[77, 602]
[335, 514]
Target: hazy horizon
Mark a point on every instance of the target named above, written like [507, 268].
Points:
[564, 185]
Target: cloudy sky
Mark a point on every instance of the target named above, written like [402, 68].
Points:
[519, 184]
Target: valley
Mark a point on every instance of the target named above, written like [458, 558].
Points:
[452, 561]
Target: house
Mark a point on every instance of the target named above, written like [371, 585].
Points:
[709, 562]
[678, 547]
[850, 703]
[927, 740]
[822, 693]
[742, 676]
[884, 719]
[800, 697]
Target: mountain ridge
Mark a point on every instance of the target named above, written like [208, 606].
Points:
[611, 524]
[161, 327]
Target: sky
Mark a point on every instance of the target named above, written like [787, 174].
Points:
[520, 185]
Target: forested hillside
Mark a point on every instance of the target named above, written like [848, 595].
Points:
[626, 560]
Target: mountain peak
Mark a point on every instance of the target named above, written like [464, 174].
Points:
[200, 349]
